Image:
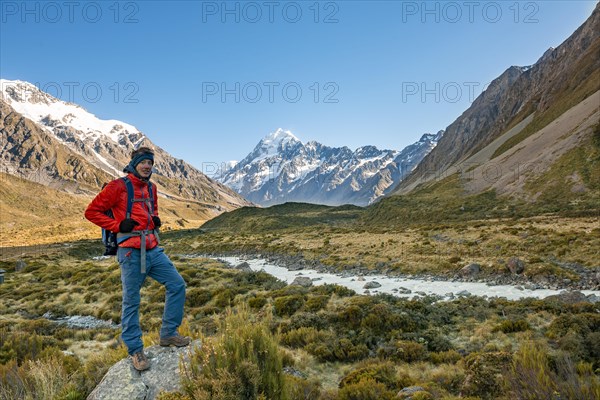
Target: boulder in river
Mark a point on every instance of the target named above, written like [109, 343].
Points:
[570, 297]
[372, 285]
[303, 281]
[244, 267]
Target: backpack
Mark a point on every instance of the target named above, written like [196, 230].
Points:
[109, 239]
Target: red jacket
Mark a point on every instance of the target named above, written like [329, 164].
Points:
[114, 196]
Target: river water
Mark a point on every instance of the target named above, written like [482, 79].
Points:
[401, 287]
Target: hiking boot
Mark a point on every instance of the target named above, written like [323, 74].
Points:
[140, 361]
[177, 340]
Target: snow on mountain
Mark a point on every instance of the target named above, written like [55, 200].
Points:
[72, 125]
[223, 168]
[60, 144]
[281, 168]
[51, 113]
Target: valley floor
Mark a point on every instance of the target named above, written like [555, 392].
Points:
[332, 342]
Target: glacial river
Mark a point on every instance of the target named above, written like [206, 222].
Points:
[400, 287]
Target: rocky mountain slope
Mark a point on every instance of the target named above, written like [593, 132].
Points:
[62, 145]
[482, 143]
[281, 168]
[66, 149]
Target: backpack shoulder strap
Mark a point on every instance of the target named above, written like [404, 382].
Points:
[151, 195]
[130, 192]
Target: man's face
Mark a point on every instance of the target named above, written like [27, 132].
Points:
[144, 168]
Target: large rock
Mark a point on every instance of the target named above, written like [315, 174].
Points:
[244, 267]
[470, 270]
[570, 297]
[122, 381]
[515, 266]
[372, 285]
[302, 281]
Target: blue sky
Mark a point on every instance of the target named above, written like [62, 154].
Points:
[206, 80]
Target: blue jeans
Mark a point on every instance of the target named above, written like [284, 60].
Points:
[162, 270]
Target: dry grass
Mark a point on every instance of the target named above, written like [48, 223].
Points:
[446, 248]
[33, 214]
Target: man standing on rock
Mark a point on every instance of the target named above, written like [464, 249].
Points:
[138, 254]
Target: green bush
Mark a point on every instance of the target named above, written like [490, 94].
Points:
[351, 316]
[421, 395]
[338, 350]
[197, 297]
[510, 326]
[366, 389]
[20, 346]
[257, 302]
[224, 298]
[300, 319]
[583, 323]
[288, 305]
[242, 362]
[303, 336]
[316, 303]
[338, 290]
[302, 389]
[485, 374]
[404, 350]
[444, 357]
[172, 396]
[379, 371]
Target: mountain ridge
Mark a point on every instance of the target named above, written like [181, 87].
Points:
[560, 79]
[281, 168]
[49, 143]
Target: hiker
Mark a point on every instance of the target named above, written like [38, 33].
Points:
[134, 204]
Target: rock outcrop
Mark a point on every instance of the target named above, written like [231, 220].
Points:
[122, 381]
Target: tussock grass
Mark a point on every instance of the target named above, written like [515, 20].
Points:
[326, 333]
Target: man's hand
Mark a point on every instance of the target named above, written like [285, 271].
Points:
[127, 225]
[156, 221]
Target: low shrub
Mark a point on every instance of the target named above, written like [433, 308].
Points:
[444, 357]
[338, 290]
[485, 374]
[303, 336]
[366, 389]
[257, 302]
[510, 326]
[197, 297]
[403, 350]
[338, 350]
[379, 371]
[288, 305]
[302, 389]
[316, 303]
[534, 375]
[242, 361]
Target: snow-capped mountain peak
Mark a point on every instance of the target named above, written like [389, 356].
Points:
[52, 113]
[61, 145]
[280, 135]
[276, 141]
[281, 168]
